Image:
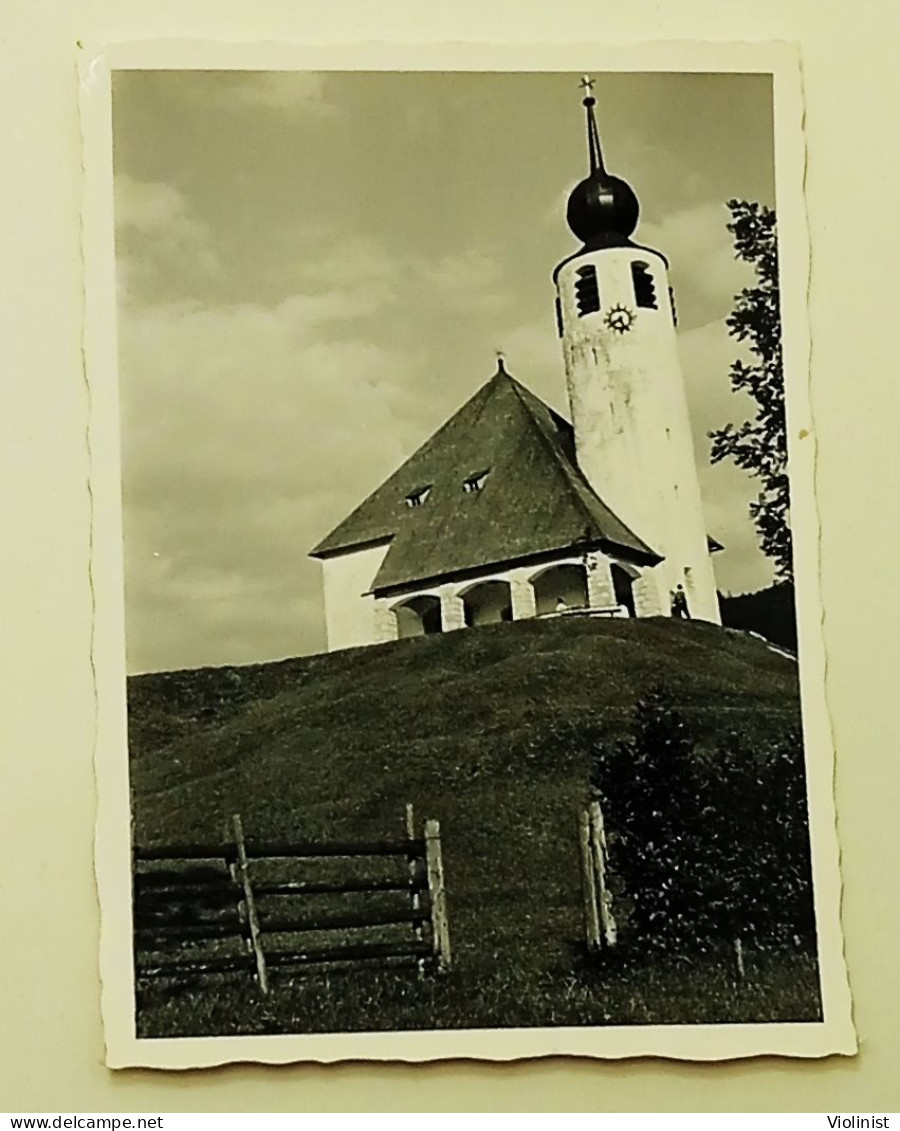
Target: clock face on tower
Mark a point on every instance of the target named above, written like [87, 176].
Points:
[620, 319]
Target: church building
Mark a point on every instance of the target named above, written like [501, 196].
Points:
[509, 511]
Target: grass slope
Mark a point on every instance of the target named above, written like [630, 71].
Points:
[472, 728]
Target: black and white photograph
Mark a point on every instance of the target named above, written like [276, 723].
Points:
[463, 680]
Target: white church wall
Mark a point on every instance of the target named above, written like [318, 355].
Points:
[629, 409]
[349, 605]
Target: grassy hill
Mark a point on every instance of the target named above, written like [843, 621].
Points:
[478, 729]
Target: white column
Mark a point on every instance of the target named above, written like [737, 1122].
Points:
[453, 613]
[651, 594]
[524, 606]
[601, 594]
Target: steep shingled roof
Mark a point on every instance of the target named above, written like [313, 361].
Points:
[534, 499]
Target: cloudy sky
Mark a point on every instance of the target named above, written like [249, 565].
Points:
[315, 271]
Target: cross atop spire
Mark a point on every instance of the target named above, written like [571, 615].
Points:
[589, 102]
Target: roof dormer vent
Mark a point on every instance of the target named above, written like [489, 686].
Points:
[417, 498]
[475, 482]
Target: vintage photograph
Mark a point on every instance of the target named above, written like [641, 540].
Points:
[463, 688]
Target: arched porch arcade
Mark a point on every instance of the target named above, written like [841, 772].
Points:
[487, 602]
[559, 588]
[418, 616]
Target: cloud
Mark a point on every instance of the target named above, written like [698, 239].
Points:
[248, 431]
[707, 353]
[704, 272]
[464, 280]
[251, 428]
[330, 259]
[285, 92]
[153, 209]
[158, 236]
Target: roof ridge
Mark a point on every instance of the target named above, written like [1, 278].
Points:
[569, 468]
[558, 456]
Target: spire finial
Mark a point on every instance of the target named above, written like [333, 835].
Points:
[501, 361]
[595, 155]
[602, 209]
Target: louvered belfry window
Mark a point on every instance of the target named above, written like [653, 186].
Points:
[587, 291]
[644, 287]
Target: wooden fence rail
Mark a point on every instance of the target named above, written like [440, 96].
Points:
[214, 895]
[271, 850]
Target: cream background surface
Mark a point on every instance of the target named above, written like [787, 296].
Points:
[53, 1054]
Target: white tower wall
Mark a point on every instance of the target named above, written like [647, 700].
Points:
[629, 410]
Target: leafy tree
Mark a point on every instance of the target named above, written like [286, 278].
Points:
[759, 446]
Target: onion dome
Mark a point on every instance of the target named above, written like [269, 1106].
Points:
[602, 209]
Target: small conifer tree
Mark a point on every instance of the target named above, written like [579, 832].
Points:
[705, 847]
[648, 786]
[758, 838]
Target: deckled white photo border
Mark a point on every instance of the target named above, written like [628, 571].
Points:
[835, 1033]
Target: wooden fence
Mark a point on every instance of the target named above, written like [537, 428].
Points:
[250, 906]
[599, 922]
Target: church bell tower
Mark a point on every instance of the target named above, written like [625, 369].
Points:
[626, 390]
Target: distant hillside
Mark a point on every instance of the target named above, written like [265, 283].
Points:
[477, 728]
[770, 612]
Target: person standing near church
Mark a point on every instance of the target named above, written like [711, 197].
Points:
[679, 604]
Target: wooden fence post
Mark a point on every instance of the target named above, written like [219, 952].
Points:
[415, 898]
[250, 903]
[588, 883]
[434, 864]
[604, 896]
[739, 957]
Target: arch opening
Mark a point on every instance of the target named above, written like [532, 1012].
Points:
[419, 616]
[560, 588]
[488, 602]
[623, 587]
